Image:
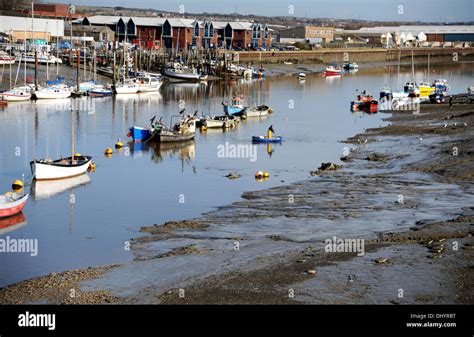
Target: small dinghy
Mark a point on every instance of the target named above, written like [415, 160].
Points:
[262, 139]
[12, 203]
[45, 169]
[218, 121]
[258, 111]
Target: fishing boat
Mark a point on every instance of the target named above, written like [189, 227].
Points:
[302, 76]
[365, 102]
[426, 89]
[183, 131]
[258, 73]
[15, 95]
[258, 111]
[263, 139]
[441, 86]
[225, 121]
[53, 92]
[333, 70]
[127, 87]
[235, 107]
[101, 91]
[12, 203]
[350, 66]
[149, 84]
[6, 59]
[139, 134]
[182, 74]
[76, 165]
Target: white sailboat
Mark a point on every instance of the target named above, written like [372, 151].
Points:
[76, 165]
[53, 92]
[15, 95]
[127, 87]
[149, 84]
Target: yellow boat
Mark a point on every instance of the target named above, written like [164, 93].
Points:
[426, 89]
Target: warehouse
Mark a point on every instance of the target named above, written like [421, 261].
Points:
[20, 27]
[307, 34]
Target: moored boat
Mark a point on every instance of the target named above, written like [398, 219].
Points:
[350, 66]
[235, 107]
[182, 74]
[127, 87]
[53, 92]
[12, 203]
[100, 91]
[302, 76]
[149, 84]
[333, 70]
[139, 134]
[46, 169]
[258, 111]
[15, 95]
[6, 59]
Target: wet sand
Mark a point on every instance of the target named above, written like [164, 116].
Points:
[426, 258]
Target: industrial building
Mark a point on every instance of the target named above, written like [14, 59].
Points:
[307, 34]
[41, 30]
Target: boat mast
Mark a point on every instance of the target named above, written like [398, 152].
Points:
[398, 67]
[72, 134]
[95, 65]
[57, 50]
[428, 77]
[24, 49]
[78, 70]
[412, 66]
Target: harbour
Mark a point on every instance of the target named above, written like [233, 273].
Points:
[166, 158]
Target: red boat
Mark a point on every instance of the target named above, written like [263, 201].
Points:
[12, 223]
[12, 203]
[365, 103]
[333, 70]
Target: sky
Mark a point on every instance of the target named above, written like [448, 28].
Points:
[380, 10]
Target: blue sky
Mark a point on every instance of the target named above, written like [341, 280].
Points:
[384, 10]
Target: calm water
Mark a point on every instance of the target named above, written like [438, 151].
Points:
[144, 185]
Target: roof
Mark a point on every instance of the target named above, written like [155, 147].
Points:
[178, 22]
[147, 21]
[241, 25]
[415, 30]
[94, 29]
[105, 19]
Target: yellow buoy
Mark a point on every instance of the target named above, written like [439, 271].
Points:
[266, 174]
[203, 128]
[17, 185]
[118, 145]
[108, 151]
[243, 117]
[92, 167]
[78, 155]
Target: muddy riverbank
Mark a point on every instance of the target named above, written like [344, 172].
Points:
[415, 174]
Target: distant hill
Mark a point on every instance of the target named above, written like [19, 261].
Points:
[275, 20]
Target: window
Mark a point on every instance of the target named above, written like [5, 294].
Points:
[196, 30]
[211, 30]
[266, 33]
[167, 31]
[206, 30]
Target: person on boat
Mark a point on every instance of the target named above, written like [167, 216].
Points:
[270, 132]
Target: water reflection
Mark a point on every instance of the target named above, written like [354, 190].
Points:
[42, 189]
[12, 223]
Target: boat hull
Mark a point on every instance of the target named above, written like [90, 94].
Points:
[127, 89]
[190, 77]
[172, 137]
[262, 139]
[232, 110]
[139, 134]
[258, 112]
[15, 98]
[8, 209]
[52, 95]
[55, 170]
